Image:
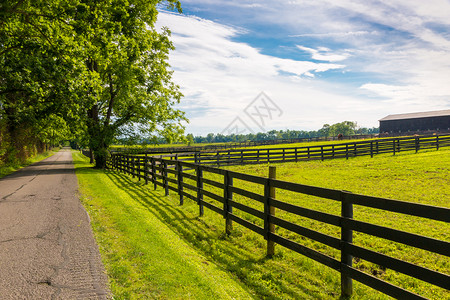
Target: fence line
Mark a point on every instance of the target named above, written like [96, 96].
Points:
[235, 145]
[317, 152]
[172, 175]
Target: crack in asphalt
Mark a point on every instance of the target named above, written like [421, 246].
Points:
[71, 268]
[21, 187]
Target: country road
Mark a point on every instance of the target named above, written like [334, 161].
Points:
[47, 249]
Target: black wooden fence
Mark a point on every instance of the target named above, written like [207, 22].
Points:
[173, 175]
[318, 152]
[221, 146]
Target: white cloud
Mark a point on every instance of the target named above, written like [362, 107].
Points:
[401, 48]
[324, 54]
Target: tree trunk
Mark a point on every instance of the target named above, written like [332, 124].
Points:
[91, 156]
[101, 156]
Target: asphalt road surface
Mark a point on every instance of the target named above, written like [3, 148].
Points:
[47, 249]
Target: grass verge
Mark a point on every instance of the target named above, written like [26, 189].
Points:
[8, 169]
[145, 257]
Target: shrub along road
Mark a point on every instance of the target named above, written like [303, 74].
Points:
[47, 250]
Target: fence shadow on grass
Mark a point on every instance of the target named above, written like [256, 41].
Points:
[231, 253]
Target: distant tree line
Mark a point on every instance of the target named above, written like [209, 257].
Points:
[345, 128]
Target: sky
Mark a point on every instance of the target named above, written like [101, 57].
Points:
[253, 66]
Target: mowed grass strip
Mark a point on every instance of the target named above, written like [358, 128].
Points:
[11, 168]
[143, 256]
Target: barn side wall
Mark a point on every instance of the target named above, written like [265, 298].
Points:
[416, 124]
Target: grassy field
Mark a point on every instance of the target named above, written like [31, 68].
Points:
[422, 178]
[301, 144]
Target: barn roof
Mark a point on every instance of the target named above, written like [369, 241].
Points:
[427, 114]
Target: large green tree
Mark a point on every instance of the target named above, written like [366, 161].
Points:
[100, 66]
[36, 62]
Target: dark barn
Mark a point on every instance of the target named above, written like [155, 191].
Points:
[434, 121]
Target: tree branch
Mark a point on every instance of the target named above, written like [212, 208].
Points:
[111, 100]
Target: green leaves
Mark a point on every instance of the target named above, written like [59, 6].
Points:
[91, 66]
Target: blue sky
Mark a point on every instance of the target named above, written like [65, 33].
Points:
[317, 62]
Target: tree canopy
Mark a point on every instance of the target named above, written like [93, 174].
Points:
[90, 69]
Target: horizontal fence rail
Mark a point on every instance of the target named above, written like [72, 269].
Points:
[174, 175]
[318, 152]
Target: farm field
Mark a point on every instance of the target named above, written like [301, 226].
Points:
[301, 144]
[411, 177]
[421, 178]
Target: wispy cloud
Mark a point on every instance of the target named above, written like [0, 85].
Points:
[336, 34]
[341, 59]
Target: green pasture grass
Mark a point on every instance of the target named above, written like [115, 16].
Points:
[307, 144]
[300, 144]
[11, 168]
[420, 178]
[145, 257]
[123, 211]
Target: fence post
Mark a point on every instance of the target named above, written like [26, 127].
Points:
[296, 154]
[154, 172]
[346, 151]
[227, 208]
[218, 164]
[321, 152]
[417, 144]
[146, 169]
[393, 145]
[199, 171]
[437, 142]
[346, 237]
[128, 165]
[139, 168]
[165, 175]
[269, 193]
[257, 156]
[180, 181]
[284, 156]
[371, 149]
